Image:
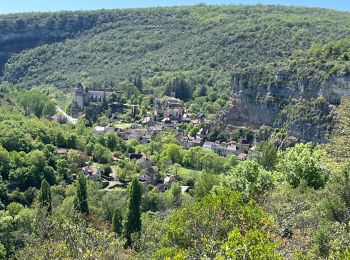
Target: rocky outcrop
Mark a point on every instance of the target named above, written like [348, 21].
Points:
[255, 106]
[19, 32]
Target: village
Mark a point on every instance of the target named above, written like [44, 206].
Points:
[167, 113]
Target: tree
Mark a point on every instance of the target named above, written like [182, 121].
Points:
[303, 163]
[2, 252]
[266, 155]
[49, 108]
[138, 82]
[254, 244]
[4, 163]
[117, 222]
[133, 215]
[205, 184]
[62, 169]
[45, 196]
[180, 87]
[101, 154]
[176, 193]
[81, 199]
[201, 228]
[249, 179]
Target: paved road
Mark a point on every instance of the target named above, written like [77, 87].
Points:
[69, 118]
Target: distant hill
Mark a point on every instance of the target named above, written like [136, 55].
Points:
[203, 44]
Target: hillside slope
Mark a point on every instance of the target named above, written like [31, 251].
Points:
[105, 47]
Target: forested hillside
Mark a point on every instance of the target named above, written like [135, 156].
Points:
[203, 44]
[203, 132]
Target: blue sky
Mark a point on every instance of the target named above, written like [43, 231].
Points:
[12, 6]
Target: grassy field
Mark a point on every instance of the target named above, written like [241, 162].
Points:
[122, 125]
[187, 174]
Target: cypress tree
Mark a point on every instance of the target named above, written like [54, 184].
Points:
[45, 196]
[133, 213]
[117, 222]
[81, 203]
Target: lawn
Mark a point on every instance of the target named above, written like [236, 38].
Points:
[187, 174]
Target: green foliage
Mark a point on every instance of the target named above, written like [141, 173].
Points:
[176, 193]
[101, 154]
[200, 45]
[202, 229]
[117, 222]
[180, 87]
[70, 237]
[132, 223]
[338, 149]
[251, 245]
[249, 179]
[266, 155]
[303, 163]
[205, 184]
[45, 196]
[2, 252]
[49, 109]
[81, 199]
[15, 226]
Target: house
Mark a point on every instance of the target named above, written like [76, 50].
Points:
[227, 149]
[222, 149]
[188, 142]
[243, 147]
[195, 121]
[169, 107]
[62, 152]
[156, 129]
[92, 172]
[144, 162]
[149, 176]
[135, 134]
[209, 146]
[168, 182]
[101, 130]
[173, 108]
[168, 123]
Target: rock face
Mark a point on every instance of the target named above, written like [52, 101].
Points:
[335, 88]
[255, 106]
[20, 32]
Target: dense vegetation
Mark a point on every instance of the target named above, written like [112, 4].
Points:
[203, 44]
[280, 203]
[287, 200]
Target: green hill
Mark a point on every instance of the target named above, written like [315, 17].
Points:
[203, 44]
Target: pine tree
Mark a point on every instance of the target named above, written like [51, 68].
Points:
[133, 214]
[81, 203]
[45, 196]
[117, 222]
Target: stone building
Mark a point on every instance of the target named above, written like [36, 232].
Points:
[82, 97]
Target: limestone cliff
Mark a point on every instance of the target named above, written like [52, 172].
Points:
[305, 109]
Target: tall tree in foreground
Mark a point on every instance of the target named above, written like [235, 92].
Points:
[117, 222]
[133, 214]
[45, 196]
[81, 203]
